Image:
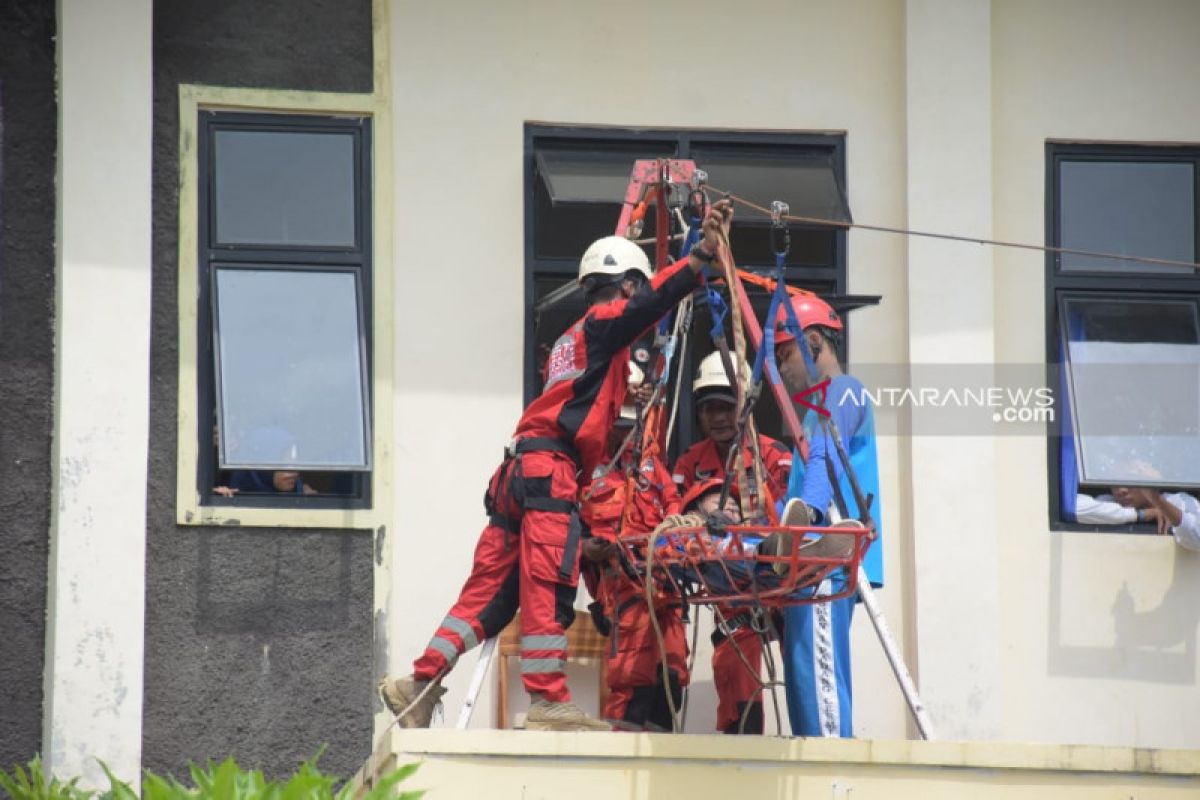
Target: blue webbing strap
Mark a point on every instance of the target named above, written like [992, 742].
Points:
[716, 304]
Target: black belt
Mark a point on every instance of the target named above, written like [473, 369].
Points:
[730, 627]
[555, 505]
[536, 444]
[509, 524]
[632, 601]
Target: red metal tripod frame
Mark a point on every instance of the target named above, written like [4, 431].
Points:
[654, 175]
[694, 551]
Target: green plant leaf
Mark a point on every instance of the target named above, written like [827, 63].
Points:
[155, 787]
[308, 782]
[202, 779]
[382, 790]
[223, 781]
[33, 785]
[117, 788]
[14, 785]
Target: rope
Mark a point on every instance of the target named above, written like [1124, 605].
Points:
[747, 430]
[691, 664]
[737, 649]
[744, 476]
[684, 320]
[648, 584]
[1045, 248]
[369, 767]
[689, 239]
[441, 673]
[763, 282]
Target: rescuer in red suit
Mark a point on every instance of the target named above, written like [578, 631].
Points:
[637, 697]
[528, 554]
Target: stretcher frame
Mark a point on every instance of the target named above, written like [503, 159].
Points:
[710, 566]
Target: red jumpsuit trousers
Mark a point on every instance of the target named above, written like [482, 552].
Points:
[527, 556]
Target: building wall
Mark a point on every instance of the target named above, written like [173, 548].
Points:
[96, 597]
[511, 764]
[258, 641]
[1014, 632]
[27, 157]
[462, 94]
[1099, 630]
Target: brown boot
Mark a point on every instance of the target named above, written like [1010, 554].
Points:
[545, 715]
[414, 699]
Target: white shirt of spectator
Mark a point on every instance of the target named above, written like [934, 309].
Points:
[1105, 510]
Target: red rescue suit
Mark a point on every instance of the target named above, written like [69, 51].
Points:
[701, 461]
[739, 698]
[637, 697]
[528, 555]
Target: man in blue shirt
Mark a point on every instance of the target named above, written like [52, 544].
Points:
[816, 647]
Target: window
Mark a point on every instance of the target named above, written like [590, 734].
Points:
[1125, 334]
[284, 329]
[575, 185]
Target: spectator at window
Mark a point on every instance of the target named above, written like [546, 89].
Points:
[264, 482]
[1176, 513]
[271, 442]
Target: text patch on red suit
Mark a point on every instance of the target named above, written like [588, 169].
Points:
[563, 362]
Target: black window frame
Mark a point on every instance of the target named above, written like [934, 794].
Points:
[829, 278]
[1062, 284]
[358, 257]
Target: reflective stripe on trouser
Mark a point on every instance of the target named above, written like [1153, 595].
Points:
[816, 662]
[549, 566]
[537, 569]
[487, 603]
[737, 686]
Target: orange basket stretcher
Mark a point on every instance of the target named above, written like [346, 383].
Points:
[710, 565]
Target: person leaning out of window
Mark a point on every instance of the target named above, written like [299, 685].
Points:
[1176, 513]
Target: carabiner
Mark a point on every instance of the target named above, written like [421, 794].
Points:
[781, 238]
[697, 204]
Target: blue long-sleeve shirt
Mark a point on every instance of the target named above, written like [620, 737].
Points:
[850, 409]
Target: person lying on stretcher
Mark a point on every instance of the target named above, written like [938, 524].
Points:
[721, 559]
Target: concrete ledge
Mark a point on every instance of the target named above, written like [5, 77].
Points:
[501, 764]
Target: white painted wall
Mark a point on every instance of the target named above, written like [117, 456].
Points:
[94, 641]
[1098, 631]
[950, 322]
[465, 82]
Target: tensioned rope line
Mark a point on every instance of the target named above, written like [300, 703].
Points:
[1045, 248]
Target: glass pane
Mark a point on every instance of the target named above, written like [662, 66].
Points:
[290, 377]
[284, 188]
[1132, 208]
[1135, 390]
[585, 176]
[804, 180]
[578, 192]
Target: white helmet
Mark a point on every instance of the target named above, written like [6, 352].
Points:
[629, 410]
[712, 382]
[613, 255]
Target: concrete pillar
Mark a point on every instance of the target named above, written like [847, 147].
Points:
[950, 303]
[94, 636]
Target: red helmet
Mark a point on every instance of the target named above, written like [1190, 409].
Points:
[693, 495]
[810, 310]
